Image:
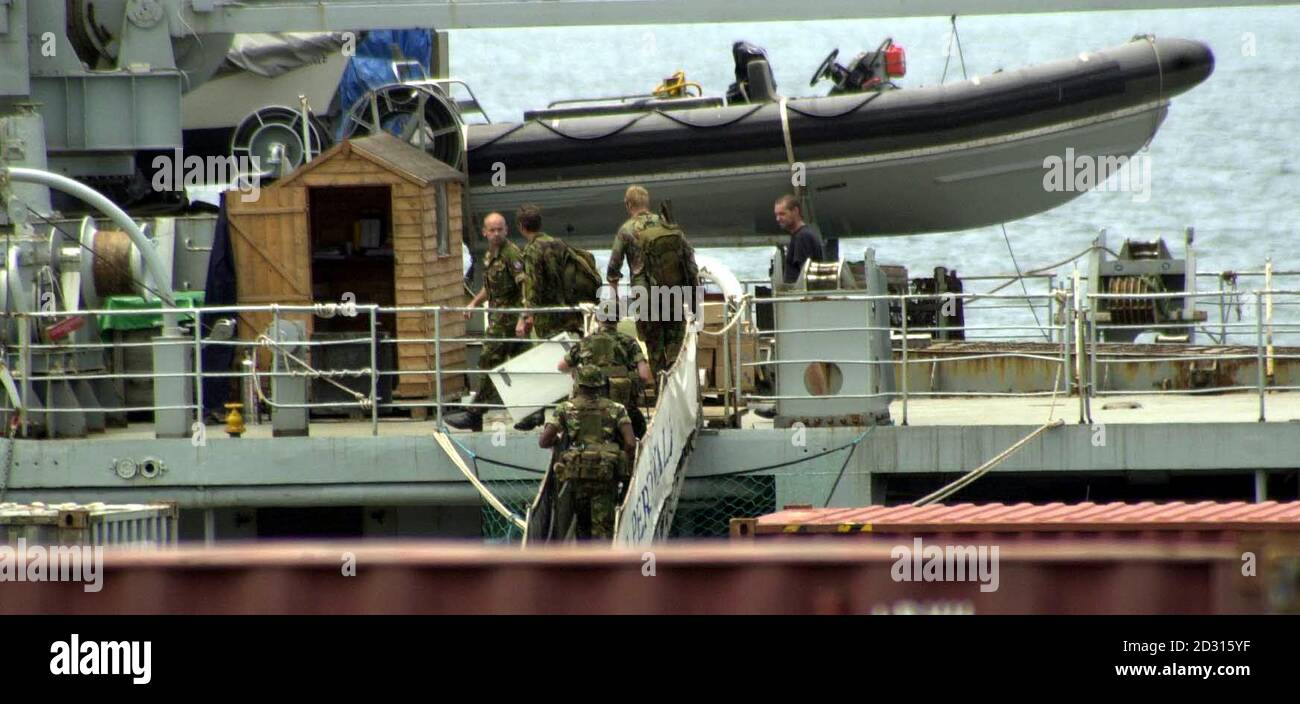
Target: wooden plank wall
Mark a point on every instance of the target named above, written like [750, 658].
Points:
[425, 278]
[421, 276]
[443, 283]
[269, 240]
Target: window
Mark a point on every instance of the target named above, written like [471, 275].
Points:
[444, 222]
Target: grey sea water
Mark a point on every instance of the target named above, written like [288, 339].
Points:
[1225, 161]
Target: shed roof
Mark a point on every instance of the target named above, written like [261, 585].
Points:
[1025, 517]
[390, 153]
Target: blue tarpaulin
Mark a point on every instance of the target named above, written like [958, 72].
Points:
[372, 66]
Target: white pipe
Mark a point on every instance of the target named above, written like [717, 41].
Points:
[117, 215]
[720, 275]
[306, 130]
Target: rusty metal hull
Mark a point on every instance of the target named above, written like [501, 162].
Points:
[754, 578]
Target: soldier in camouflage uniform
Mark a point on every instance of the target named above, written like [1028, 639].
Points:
[543, 280]
[543, 287]
[623, 363]
[503, 287]
[663, 337]
[596, 459]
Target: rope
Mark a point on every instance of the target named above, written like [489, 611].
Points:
[112, 269]
[983, 469]
[329, 310]
[362, 399]
[960, 53]
[727, 328]
[800, 191]
[99, 258]
[1023, 287]
[445, 443]
[853, 446]
[476, 458]
[1160, 92]
[1056, 387]
[505, 512]
[1049, 267]
[801, 460]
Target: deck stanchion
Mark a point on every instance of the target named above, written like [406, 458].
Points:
[903, 374]
[198, 368]
[374, 370]
[1259, 350]
[437, 364]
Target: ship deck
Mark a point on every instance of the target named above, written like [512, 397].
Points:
[1147, 441]
[1163, 409]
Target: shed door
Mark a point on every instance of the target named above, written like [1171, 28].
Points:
[272, 254]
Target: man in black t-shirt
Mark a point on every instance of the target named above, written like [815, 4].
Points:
[804, 244]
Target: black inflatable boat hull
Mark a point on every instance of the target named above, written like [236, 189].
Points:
[931, 159]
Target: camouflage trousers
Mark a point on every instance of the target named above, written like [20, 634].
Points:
[663, 340]
[494, 354]
[590, 504]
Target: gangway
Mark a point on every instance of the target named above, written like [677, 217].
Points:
[659, 469]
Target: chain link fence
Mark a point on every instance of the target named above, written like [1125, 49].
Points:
[705, 508]
[708, 504]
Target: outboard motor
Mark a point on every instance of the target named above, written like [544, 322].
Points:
[870, 70]
[744, 89]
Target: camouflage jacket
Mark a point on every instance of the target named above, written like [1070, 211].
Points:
[543, 264]
[503, 277]
[627, 246]
[615, 353]
[612, 416]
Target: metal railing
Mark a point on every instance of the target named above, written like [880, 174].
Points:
[1075, 360]
[40, 365]
[900, 358]
[1076, 352]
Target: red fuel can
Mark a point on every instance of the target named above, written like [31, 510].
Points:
[895, 61]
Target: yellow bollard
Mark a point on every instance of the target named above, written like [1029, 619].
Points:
[234, 420]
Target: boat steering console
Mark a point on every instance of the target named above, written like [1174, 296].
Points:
[870, 70]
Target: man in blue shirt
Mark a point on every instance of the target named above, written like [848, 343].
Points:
[804, 244]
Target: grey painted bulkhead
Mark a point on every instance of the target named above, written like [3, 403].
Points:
[234, 475]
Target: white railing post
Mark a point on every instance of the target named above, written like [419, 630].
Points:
[374, 368]
[725, 382]
[903, 374]
[437, 364]
[198, 368]
[1259, 350]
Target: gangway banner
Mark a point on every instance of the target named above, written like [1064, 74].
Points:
[661, 459]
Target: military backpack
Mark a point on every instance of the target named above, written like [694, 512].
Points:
[669, 260]
[592, 452]
[601, 349]
[579, 277]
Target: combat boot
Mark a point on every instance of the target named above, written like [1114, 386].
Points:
[465, 420]
[532, 421]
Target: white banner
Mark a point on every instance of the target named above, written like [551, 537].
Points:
[659, 462]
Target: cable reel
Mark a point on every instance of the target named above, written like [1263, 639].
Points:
[273, 137]
[420, 115]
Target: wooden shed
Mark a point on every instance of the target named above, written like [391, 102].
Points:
[372, 217]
